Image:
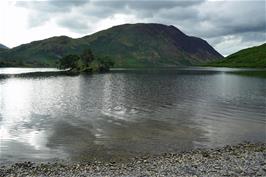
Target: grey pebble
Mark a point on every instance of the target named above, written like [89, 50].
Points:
[239, 160]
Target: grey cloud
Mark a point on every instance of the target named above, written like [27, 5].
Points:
[93, 11]
[43, 11]
[51, 5]
[141, 9]
[101, 8]
[237, 41]
[257, 36]
[148, 4]
[36, 19]
[232, 17]
[214, 21]
[79, 25]
[178, 16]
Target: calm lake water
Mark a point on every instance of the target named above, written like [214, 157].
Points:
[128, 112]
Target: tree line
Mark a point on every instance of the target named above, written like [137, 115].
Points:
[86, 62]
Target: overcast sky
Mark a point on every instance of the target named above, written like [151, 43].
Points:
[228, 25]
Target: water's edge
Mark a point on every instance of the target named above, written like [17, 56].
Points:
[39, 74]
[243, 159]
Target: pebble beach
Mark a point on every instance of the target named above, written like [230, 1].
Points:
[239, 160]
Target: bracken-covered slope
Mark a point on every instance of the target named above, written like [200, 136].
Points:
[129, 45]
[250, 57]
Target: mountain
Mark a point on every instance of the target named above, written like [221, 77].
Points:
[2, 47]
[250, 57]
[128, 45]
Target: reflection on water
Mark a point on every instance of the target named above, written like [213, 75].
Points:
[128, 112]
[25, 70]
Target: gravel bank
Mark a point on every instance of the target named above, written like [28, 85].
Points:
[240, 160]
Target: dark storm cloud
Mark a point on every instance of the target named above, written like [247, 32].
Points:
[217, 22]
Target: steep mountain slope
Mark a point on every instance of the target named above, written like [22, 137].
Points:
[129, 45]
[250, 57]
[3, 47]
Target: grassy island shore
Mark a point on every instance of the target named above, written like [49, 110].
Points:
[239, 160]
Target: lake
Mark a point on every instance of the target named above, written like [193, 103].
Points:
[126, 113]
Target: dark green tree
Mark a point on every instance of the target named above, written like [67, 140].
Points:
[106, 62]
[87, 57]
[69, 62]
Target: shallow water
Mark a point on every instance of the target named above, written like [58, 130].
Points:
[128, 112]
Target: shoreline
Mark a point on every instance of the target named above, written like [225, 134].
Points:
[261, 73]
[38, 74]
[245, 159]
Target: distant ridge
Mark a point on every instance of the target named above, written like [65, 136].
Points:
[3, 46]
[250, 57]
[128, 45]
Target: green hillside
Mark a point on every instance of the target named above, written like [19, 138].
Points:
[250, 57]
[129, 45]
[39, 53]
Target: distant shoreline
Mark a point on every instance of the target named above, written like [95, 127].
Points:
[238, 160]
[39, 74]
[250, 72]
